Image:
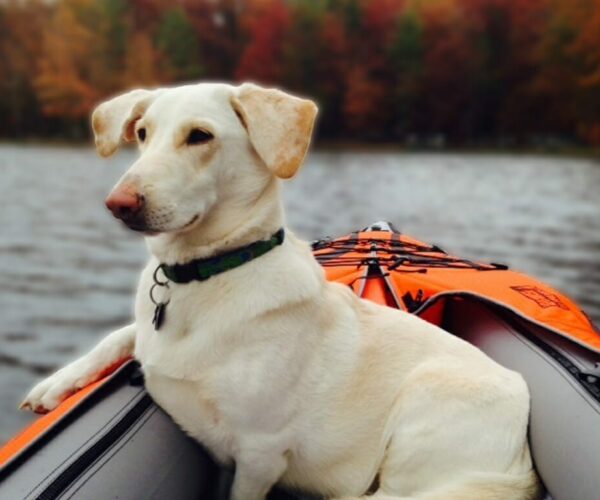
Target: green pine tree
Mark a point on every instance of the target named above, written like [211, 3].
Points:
[178, 41]
[406, 61]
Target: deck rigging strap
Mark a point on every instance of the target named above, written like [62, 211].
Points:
[395, 255]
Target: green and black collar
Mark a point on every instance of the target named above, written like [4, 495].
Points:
[203, 269]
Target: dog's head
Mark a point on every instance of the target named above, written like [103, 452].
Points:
[202, 146]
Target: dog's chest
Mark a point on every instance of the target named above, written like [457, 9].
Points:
[196, 409]
[202, 370]
[225, 402]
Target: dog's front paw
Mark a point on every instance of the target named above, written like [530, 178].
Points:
[50, 392]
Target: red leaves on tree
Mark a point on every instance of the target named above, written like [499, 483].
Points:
[261, 59]
[466, 70]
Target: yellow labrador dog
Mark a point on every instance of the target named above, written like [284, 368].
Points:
[292, 378]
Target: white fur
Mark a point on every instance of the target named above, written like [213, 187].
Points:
[272, 367]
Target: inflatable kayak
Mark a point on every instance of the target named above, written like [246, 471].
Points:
[110, 440]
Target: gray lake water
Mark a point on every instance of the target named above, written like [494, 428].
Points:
[68, 270]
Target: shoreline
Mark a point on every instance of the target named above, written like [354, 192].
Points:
[346, 146]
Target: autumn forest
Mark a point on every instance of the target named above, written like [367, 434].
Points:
[460, 72]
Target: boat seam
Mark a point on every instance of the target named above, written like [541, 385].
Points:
[69, 459]
[151, 410]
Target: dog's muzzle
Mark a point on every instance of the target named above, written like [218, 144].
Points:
[126, 203]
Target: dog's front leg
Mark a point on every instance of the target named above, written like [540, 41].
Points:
[46, 395]
[255, 474]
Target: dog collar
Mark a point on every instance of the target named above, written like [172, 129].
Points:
[203, 269]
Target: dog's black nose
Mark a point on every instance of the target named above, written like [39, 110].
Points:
[125, 201]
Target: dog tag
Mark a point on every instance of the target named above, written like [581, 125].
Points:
[159, 315]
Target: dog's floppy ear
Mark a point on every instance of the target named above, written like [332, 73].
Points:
[114, 119]
[279, 126]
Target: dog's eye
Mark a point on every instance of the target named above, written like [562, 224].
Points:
[141, 133]
[198, 136]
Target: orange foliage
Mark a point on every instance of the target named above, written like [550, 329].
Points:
[141, 63]
[470, 71]
[64, 62]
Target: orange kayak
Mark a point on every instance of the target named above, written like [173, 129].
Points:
[386, 266]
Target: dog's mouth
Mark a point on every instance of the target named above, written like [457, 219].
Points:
[141, 227]
[190, 223]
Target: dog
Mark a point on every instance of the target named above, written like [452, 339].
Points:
[292, 378]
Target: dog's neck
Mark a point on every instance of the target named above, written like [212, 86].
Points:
[223, 229]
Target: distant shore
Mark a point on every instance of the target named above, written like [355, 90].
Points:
[349, 145]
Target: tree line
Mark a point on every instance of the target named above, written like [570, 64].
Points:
[463, 72]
